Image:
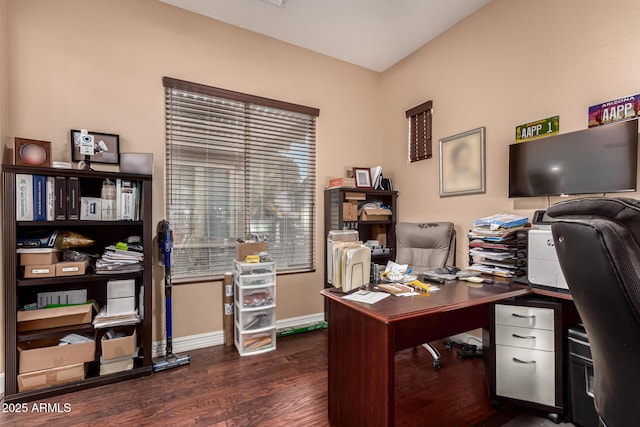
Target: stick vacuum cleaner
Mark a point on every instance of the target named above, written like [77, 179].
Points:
[165, 244]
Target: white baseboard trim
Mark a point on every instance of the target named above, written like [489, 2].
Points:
[1, 383]
[296, 322]
[209, 339]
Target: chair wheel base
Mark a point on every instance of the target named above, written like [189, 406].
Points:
[555, 418]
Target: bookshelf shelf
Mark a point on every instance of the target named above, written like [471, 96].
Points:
[76, 280]
[78, 223]
[19, 291]
[47, 333]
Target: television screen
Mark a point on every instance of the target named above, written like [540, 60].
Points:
[597, 160]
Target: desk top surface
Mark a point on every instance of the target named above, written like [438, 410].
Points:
[451, 296]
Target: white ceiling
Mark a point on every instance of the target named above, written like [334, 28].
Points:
[374, 34]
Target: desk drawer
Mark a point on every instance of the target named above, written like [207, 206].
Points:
[535, 339]
[525, 374]
[524, 317]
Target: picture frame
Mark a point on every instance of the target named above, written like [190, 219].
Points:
[32, 152]
[463, 163]
[107, 144]
[363, 177]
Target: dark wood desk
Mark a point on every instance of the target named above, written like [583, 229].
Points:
[364, 338]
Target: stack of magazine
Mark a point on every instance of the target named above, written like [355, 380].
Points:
[498, 245]
[120, 258]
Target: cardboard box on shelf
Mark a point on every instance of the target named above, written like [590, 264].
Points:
[342, 182]
[349, 211]
[116, 366]
[39, 258]
[39, 271]
[375, 214]
[50, 377]
[249, 248]
[71, 268]
[355, 196]
[36, 355]
[44, 318]
[379, 233]
[118, 347]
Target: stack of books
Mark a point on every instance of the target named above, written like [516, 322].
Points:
[120, 258]
[498, 245]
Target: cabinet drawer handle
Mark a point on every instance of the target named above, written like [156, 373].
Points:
[522, 316]
[524, 337]
[529, 362]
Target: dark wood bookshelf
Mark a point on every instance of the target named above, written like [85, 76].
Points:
[19, 291]
[334, 219]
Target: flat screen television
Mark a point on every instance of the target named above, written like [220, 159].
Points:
[597, 160]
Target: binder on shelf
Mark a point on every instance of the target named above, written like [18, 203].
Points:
[74, 198]
[61, 198]
[127, 203]
[39, 198]
[51, 198]
[24, 197]
[118, 199]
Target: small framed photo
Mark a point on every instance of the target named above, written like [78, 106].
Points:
[363, 177]
[31, 152]
[106, 147]
[462, 163]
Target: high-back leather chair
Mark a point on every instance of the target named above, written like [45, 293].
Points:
[598, 245]
[424, 247]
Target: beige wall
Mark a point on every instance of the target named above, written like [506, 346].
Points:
[4, 117]
[512, 62]
[99, 65]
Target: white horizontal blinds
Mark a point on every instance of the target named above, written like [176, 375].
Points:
[420, 144]
[236, 168]
[281, 173]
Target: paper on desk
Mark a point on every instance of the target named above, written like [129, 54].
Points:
[408, 294]
[366, 297]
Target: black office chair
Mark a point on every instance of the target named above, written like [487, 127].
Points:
[598, 245]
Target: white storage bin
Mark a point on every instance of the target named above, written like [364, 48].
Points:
[255, 280]
[249, 343]
[256, 298]
[256, 320]
[255, 268]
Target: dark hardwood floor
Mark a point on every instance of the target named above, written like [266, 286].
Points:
[287, 387]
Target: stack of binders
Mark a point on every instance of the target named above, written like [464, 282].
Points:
[498, 245]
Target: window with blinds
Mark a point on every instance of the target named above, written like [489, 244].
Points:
[419, 117]
[237, 165]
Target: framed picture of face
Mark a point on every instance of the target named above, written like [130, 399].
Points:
[31, 152]
[106, 147]
[462, 163]
[363, 177]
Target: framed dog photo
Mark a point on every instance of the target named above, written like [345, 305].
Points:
[462, 163]
[31, 152]
[106, 147]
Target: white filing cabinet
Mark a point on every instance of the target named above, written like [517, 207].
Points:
[255, 307]
[525, 351]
